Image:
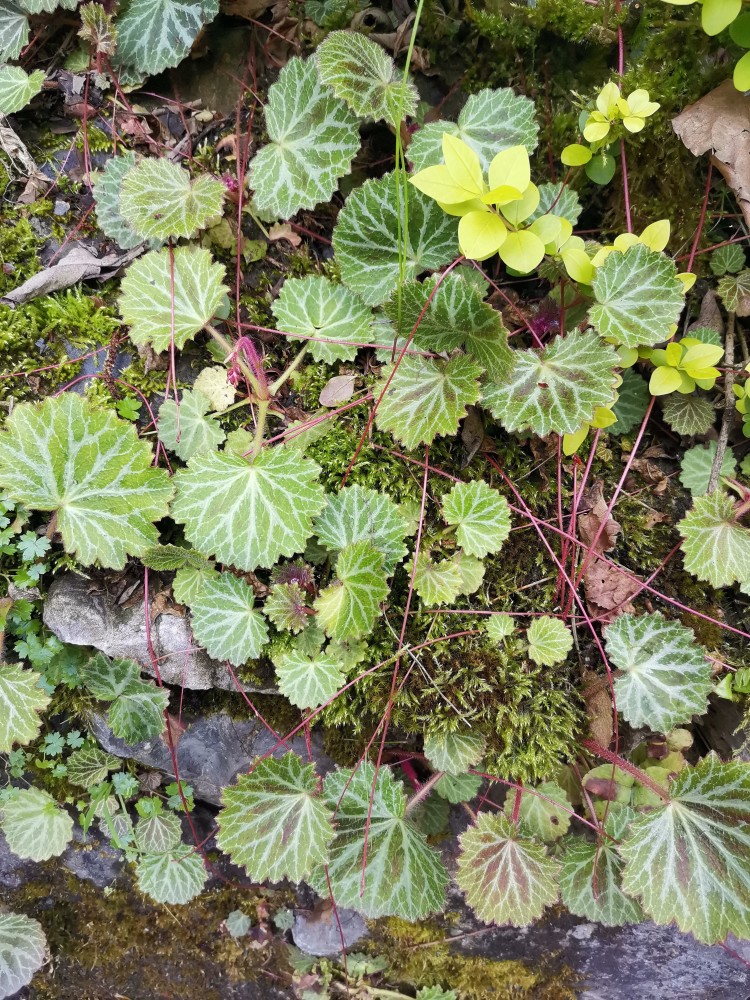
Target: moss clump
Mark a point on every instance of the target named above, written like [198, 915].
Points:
[19, 252]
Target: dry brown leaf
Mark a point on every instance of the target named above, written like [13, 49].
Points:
[651, 474]
[608, 590]
[590, 522]
[598, 700]
[162, 604]
[709, 316]
[283, 231]
[337, 390]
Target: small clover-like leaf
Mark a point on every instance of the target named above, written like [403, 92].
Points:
[696, 464]
[358, 514]
[171, 293]
[34, 825]
[159, 200]
[549, 640]
[309, 681]
[481, 516]
[14, 30]
[313, 137]
[274, 823]
[666, 677]
[361, 73]
[248, 514]
[454, 752]
[716, 546]
[638, 297]
[187, 430]
[90, 765]
[544, 812]
[174, 878]
[557, 388]
[21, 700]
[437, 582]
[689, 414]
[23, 946]
[158, 834]
[316, 307]
[348, 607]
[506, 877]
[17, 88]
[89, 469]
[225, 622]
[107, 188]
[152, 36]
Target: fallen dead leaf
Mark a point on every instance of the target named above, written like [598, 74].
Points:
[79, 264]
[709, 316]
[651, 474]
[598, 701]
[162, 604]
[608, 590]
[283, 231]
[338, 389]
[590, 522]
[472, 434]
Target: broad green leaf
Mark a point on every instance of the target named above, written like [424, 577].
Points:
[481, 516]
[34, 825]
[274, 823]
[590, 881]
[544, 816]
[188, 583]
[286, 606]
[47, 6]
[557, 388]
[309, 681]
[313, 137]
[153, 35]
[638, 297]
[734, 292]
[225, 622]
[347, 609]
[358, 514]
[171, 557]
[150, 309]
[138, 713]
[686, 861]
[159, 200]
[90, 765]
[689, 415]
[403, 876]
[554, 199]
[238, 923]
[436, 582]
[716, 546]
[23, 948]
[696, 464]
[17, 88]
[366, 241]
[14, 30]
[549, 640]
[665, 679]
[455, 788]
[471, 570]
[91, 471]
[632, 403]
[427, 397]
[506, 878]
[361, 73]
[489, 122]
[173, 878]
[158, 834]
[187, 430]
[727, 259]
[107, 187]
[454, 752]
[499, 627]
[248, 515]
[315, 307]
[107, 679]
[21, 699]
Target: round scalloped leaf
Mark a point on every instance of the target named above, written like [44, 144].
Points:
[454, 752]
[666, 677]
[686, 860]
[248, 514]
[688, 414]
[138, 713]
[146, 301]
[158, 834]
[23, 950]
[359, 72]
[366, 238]
[557, 388]
[427, 397]
[14, 30]
[489, 122]
[316, 307]
[17, 88]
[309, 681]
[159, 200]
[632, 403]
[471, 570]
[549, 640]
[313, 137]
[188, 582]
[734, 292]
[455, 788]
[436, 993]
[481, 516]
[436, 582]
[347, 609]
[499, 627]
[716, 547]
[727, 260]
[21, 699]
[214, 385]
[152, 36]
[591, 877]
[546, 815]
[402, 876]
[696, 464]
[90, 469]
[174, 878]
[90, 765]
[638, 297]
[106, 188]
[107, 679]
[506, 878]
[358, 514]
[554, 199]
[225, 622]
[274, 823]
[34, 825]
[187, 431]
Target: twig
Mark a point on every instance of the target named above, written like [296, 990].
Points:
[423, 792]
[728, 418]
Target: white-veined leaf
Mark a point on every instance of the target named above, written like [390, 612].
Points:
[403, 876]
[150, 309]
[471, 570]
[348, 607]
[225, 622]
[153, 35]
[688, 414]
[274, 823]
[506, 878]
[309, 681]
[313, 137]
[455, 788]
[549, 640]
[248, 514]
[34, 825]
[557, 388]
[159, 200]
[633, 398]
[362, 74]
[90, 765]
[23, 950]
[366, 240]
[89, 469]
[106, 188]
[499, 627]
[187, 430]
[315, 307]
[173, 878]
[188, 583]
[107, 679]
[454, 752]
[158, 834]
[544, 816]
[436, 582]
[638, 297]
[489, 122]
[666, 677]
[138, 713]
[14, 30]
[357, 514]
[47, 6]
[17, 88]
[555, 199]
[481, 516]
[716, 546]
[696, 463]
[21, 699]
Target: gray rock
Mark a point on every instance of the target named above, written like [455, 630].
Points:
[317, 931]
[92, 859]
[86, 613]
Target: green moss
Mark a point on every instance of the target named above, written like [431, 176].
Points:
[19, 252]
